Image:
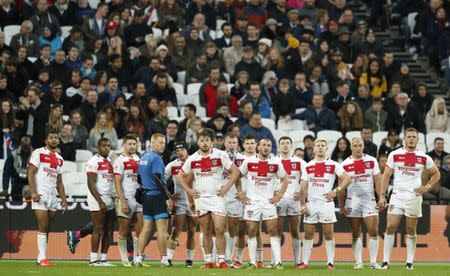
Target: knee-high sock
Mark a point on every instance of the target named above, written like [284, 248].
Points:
[252, 243]
[230, 245]
[410, 248]
[42, 246]
[122, 244]
[357, 250]
[275, 243]
[200, 239]
[388, 245]
[329, 246]
[296, 248]
[306, 250]
[260, 254]
[373, 249]
[214, 251]
[240, 254]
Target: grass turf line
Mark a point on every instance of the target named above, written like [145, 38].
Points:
[81, 268]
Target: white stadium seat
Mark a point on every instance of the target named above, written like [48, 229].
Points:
[69, 166]
[201, 111]
[82, 156]
[298, 135]
[269, 123]
[9, 31]
[329, 135]
[433, 135]
[277, 134]
[179, 90]
[173, 111]
[291, 125]
[378, 136]
[157, 33]
[352, 134]
[65, 31]
[193, 89]
[219, 23]
[181, 76]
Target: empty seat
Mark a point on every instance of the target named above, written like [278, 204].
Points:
[157, 33]
[269, 123]
[179, 90]
[193, 89]
[378, 136]
[201, 112]
[298, 135]
[181, 76]
[69, 166]
[352, 134]
[329, 135]
[291, 125]
[173, 111]
[65, 31]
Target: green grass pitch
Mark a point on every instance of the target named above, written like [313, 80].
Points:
[67, 268]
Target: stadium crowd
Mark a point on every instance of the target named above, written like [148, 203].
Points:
[91, 72]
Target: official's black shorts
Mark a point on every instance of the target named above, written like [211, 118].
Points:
[154, 207]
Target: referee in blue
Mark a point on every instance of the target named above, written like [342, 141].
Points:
[156, 199]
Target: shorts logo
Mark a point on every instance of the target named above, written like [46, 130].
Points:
[271, 168]
[327, 220]
[278, 209]
[349, 210]
[249, 214]
[391, 207]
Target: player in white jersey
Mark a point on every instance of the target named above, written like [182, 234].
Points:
[183, 214]
[289, 206]
[45, 179]
[359, 203]
[316, 186]
[262, 172]
[128, 211]
[407, 165]
[101, 202]
[207, 166]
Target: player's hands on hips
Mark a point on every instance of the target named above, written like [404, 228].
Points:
[381, 203]
[64, 206]
[192, 206]
[297, 196]
[276, 198]
[169, 203]
[304, 210]
[330, 195]
[176, 197]
[342, 212]
[102, 206]
[35, 197]
[194, 193]
[243, 198]
[223, 191]
[125, 208]
[421, 190]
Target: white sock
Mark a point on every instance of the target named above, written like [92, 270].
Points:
[252, 243]
[329, 246]
[190, 254]
[94, 257]
[260, 254]
[357, 250]
[272, 256]
[42, 246]
[165, 260]
[388, 245]
[214, 250]
[227, 244]
[139, 258]
[410, 248]
[231, 243]
[170, 253]
[275, 243]
[296, 247]
[239, 254]
[135, 247]
[200, 240]
[221, 258]
[373, 249]
[307, 249]
[122, 244]
[103, 257]
[208, 258]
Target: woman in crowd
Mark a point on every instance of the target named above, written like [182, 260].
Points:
[55, 120]
[80, 133]
[350, 117]
[102, 129]
[390, 143]
[342, 150]
[6, 120]
[135, 121]
[375, 79]
[436, 119]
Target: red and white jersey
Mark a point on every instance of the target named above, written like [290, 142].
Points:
[262, 176]
[237, 160]
[127, 167]
[293, 167]
[408, 168]
[48, 165]
[172, 169]
[361, 172]
[208, 171]
[320, 177]
[103, 168]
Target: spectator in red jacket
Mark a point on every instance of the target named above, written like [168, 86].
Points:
[223, 96]
[255, 12]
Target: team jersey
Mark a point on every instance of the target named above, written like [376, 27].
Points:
[293, 167]
[408, 168]
[262, 175]
[208, 171]
[48, 165]
[103, 168]
[237, 160]
[245, 178]
[127, 167]
[172, 169]
[361, 172]
[320, 177]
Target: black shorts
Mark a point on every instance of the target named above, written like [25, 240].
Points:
[154, 207]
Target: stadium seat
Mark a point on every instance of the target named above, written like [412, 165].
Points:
[178, 119]
[433, 135]
[65, 31]
[119, 143]
[352, 134]
[157, 33]
[212, 34]
[9, 31]
[75, 184]
[298, 135]
[181, 76]
[227, 76]
[269, 123]
[179, 90]
[32, 59]
[219, 34]
[329, 135]
[291, 125]
[69, 166]
[201, 112]
[298, 144]
[378, 136]
[412, 25]
[128, 95]
[193, 89]
[93, 3]
[173, 111]
[234, 119]
[82, 156]
[277, 134]
[219, 23]
[230, 85]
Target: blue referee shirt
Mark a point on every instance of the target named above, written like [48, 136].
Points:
[150, 164]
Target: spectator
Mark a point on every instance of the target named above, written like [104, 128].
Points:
[17, 77]
[233, 54]
[172, 136]
[390, 67]
[308, 141]
[375, 79]
[407, 83]
[255, 13]
[293, 60]
[140, 95]
[43, 82]
[5, 93]
[167, 65]
[146, 73]
[343, 43]
[275, 63]
[57, 97]
[9, 14]
[44, 59]
[436, 119]
[67, 147]
[375, 116]
[135, 121]
[170, 12]
[102, 129]
[89, 108]
[369, 147]
[135, 32]
[180, 55]
[359, 66]
[95, 25]
[3, 46]
[342, 150]
[6, 121]
[260, 103]
[64, 11]
[224, 41]
[117, 70]
[213, 54]
[405, 115]
[370, 47]
[202, 29]
[263, 48]
[222, 108]
[159, 122]
[218, 123]
[73, 58]
[241, 86]
[208, 90]
[301, 92]
[390, 143]
[15, 169]
[363, 99]
[422, 99]
[223, 97]
[201, 6]
[359, 35]
[197, 71]
[193, 126]
[245, 111]
[162, 90]
[55, 120]
[151, 108]
[80, 133]
[189, 112]
[249, 64]
[351, 117]
[336, 100]
[444, 189]
[283, 103]
[300, 153]
[59, 70]
[51, 38]
[269, 86]
[317, 116]
[111, 93]
[258, 130]
[318, 81]
[22, 60]
[43, 18]
[251, 38]
[194, 44]
[389, 102]
[438, 150]
[75, 37]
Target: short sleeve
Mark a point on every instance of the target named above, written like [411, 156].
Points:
[429, 162]
[35, 159]
[280, 172]
[187, 168]
[92, 166]
[158, 165]
[244, 167]
[304, 175]
[118, 166]
[390, 160]
[376, 167]
[226, 161]
[60, 166]
[339, 169]
[168, 170]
